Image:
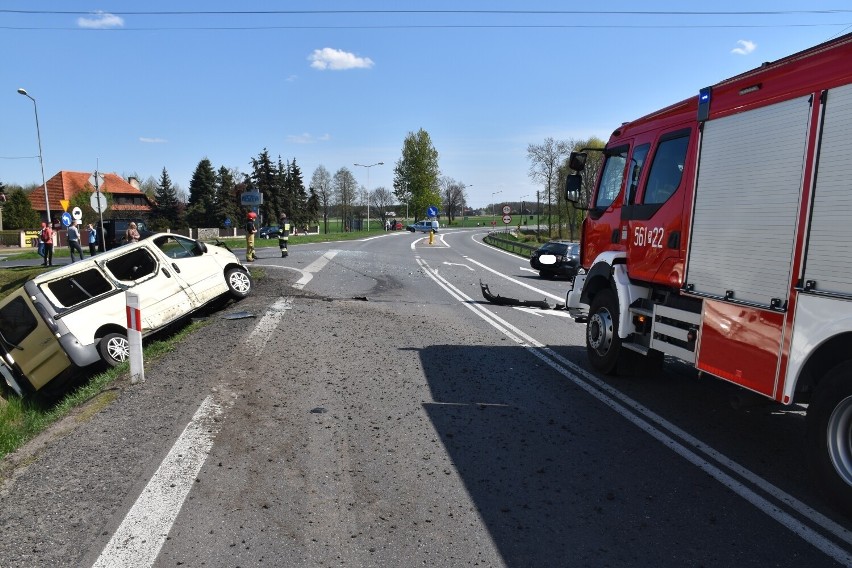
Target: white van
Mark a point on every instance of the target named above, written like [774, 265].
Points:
[76, 315]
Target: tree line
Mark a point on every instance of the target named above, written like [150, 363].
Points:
[214, 194]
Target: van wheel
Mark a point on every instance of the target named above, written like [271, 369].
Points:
[829, 423]
[114, 349]
[239, 283]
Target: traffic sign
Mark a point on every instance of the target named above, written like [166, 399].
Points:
[96, 180]
[507, 219]
[64, 203]
[77, 213]
[251, 198]
[507, 210]
[66, 219]
[227, 221]
[432, 211]
[98, 201]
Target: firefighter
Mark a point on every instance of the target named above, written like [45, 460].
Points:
[283, 234]
[251, 229]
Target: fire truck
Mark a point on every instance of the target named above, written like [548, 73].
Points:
[719, 232]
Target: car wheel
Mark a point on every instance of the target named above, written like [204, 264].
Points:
[829, 423]
[239, 283]
[114, 349]
[602, 342]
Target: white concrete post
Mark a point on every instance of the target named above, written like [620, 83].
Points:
[134, 338]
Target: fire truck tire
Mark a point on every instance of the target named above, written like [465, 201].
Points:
[829, 423]
[602, 342]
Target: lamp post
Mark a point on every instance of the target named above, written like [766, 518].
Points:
[368, 188]
[40, 159]
[493, 193]
[2, 203]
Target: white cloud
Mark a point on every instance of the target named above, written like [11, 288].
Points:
[101, 20]
[745, 47]
[292, 78]
[306, 138]
[337, 60]
[152, 140]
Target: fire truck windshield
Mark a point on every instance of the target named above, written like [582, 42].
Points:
[612, 178]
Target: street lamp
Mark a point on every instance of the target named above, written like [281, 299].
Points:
[493, 193]
[40, 159]
[368, 187]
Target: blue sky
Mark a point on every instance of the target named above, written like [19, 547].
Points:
[133, 87]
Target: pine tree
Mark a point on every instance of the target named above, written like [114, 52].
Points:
[18, 212]
[202, 196]
[264, 178]
[168, 208]
[226, 201]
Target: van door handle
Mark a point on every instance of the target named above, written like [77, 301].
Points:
[175, 266]
[166, 272]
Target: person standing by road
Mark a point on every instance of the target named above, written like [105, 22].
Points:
[131, 235]
[251, 229]
[283, 234]
[93, 240]
[47, 238]
[74, 240]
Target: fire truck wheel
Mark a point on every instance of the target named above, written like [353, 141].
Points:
[602, 342]
[829, 423]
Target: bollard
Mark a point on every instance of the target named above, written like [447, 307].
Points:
[431, 236]
[134, 338]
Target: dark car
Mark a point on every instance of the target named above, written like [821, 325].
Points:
[556, 258]
[114, 230]
[268, 233]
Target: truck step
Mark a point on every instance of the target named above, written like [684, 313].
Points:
[641, 349]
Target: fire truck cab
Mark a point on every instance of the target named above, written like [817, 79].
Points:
[718, 232]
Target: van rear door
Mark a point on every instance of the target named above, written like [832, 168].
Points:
[29, 341]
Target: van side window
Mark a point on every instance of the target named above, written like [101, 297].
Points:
[178, 247]
[135, 265]
[16, 322]
[612, 177]
[666, 169]
[77, 288]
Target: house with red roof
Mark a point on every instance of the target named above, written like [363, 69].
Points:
[126, 199]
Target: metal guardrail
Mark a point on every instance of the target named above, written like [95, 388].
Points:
[510, 245]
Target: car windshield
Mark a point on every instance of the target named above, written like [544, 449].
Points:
[554, 248]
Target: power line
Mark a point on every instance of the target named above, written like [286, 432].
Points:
[509, 12]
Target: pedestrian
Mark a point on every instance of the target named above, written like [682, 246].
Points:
[131, 235]
[283, 234]
[387, 225]
[251, 229]
[46, 237]
[74, 240]
[93, 240]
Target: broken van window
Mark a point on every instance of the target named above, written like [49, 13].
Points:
[79, 287]
[134, 265]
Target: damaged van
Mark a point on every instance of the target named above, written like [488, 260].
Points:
[75, 316]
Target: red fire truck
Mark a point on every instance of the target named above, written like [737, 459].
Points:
[719, 232]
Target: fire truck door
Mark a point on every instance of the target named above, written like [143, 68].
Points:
[653, 227]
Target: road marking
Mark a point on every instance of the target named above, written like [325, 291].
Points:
[139, 538]
[688, 447]
[541, 313]
[459, 264]
[525, 269]
[315, 266]
[267, 326]
[559, 299]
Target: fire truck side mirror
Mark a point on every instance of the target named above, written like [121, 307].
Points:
[577, 161]
[572, 187]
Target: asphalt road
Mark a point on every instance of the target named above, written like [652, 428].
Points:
[371, 409]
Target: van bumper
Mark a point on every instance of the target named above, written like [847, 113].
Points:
[81, 355]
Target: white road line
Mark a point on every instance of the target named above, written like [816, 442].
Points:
[315, 266]
[560, 299]
[268, 325]
[141, 535]
[631, 410]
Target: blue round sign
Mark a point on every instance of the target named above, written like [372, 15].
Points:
[432, 211]
[66, 219]
[227, 221]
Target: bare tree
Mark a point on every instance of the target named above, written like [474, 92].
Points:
[345, 191]
[545, 160]
[382, 199]
[321, 184]
[453, 196]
